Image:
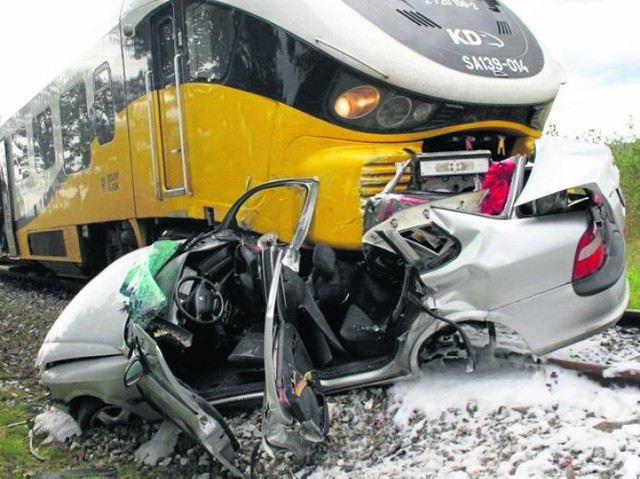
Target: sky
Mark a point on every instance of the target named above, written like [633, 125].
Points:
[593, 40]
[597, 44]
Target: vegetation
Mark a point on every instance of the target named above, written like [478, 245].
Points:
[19, 405]
[17, 409]
[627, 157]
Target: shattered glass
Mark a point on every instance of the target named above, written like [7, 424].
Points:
[145, 296]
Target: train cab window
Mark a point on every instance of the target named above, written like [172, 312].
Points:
[20, 154]
[167, 49]
[43, 149]
[104, 111]
[210, 31]
[76, 129]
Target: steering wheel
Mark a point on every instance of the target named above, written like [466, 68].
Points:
[204, 304]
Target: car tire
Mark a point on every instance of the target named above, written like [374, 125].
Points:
[93, 413]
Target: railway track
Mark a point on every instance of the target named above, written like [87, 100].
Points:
[598, 371]
[34, 273]
[607, 374]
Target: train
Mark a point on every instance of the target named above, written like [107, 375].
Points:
[186, 104]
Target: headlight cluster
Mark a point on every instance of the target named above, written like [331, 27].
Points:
[364, 104]
[377, 108]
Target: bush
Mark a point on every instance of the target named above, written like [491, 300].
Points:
[627, 157]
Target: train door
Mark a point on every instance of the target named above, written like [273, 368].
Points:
[7, 235]
[168, 72]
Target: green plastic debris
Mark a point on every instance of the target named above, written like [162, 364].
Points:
[145, 296]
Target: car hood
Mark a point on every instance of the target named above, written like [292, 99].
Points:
[93, 323]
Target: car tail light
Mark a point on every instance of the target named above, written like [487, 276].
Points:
[590, 254]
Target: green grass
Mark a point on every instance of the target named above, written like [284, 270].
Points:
[627, 157]
[633, 271]
[16, 459]
[12, 437]
[17, 411]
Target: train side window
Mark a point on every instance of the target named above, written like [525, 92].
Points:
[167, 49]
[210, 32]
[43, 149]
[76, 129]
[104, 111]
[20, 154]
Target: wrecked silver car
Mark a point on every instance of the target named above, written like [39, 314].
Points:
[231, 316]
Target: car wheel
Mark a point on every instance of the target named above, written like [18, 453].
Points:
[93, 413]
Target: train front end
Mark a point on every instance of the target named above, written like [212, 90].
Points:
[391, 79]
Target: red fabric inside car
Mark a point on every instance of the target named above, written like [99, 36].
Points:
[497, 181]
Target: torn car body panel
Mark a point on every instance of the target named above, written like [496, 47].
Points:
[528, 289]
[490, 272]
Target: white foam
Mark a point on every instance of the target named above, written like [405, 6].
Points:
[58, 425]
[487, 398]
[631, 466]
[159, 446]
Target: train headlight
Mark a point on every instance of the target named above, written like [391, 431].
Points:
[422, 111]
[362, 104]
[394, 111]
[357, 102]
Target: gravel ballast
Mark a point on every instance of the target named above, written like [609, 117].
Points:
[501, 420]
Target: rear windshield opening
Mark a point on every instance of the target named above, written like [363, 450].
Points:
[573, 199]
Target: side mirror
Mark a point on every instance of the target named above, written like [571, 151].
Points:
[134, 372]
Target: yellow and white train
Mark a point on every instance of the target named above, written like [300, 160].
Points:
[185, 104]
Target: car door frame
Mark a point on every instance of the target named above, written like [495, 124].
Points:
[278, 426]
[180, 404]
[177, 401]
